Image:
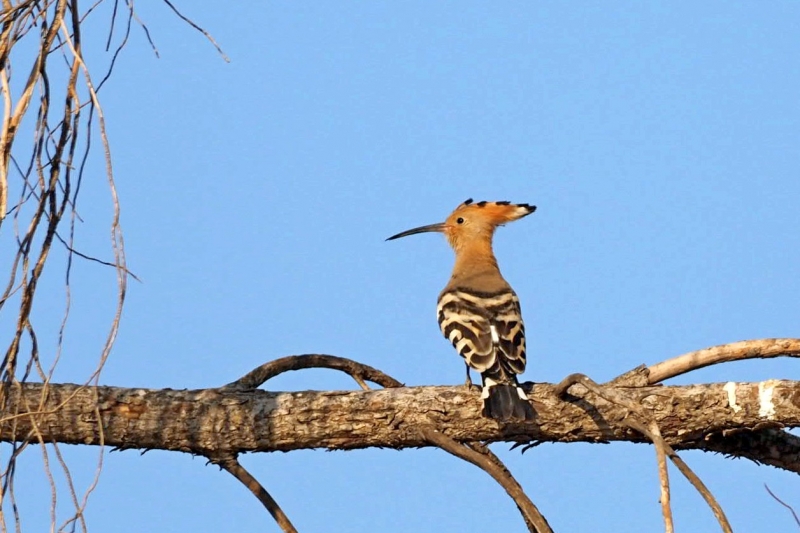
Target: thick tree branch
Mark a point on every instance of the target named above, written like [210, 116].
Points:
[739, 419]
[212, 421]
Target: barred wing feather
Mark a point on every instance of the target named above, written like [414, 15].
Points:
[486, 329]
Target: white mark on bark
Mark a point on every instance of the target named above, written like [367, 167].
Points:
[766, 409]
[730, 388]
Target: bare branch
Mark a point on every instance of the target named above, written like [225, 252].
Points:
[735, 351]
[233, 467]
[687, 472]
[490, 464]
[655, 437]
[791, 510]
[663, 478]
[71, 250]
[359, 372]
[198, 28]
[135, 16]
[607, 393]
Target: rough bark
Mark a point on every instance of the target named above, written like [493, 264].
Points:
[714, 417]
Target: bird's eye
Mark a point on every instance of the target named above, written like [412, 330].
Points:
[459, 220]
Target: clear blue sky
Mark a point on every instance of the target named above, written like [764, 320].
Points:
[659, 141]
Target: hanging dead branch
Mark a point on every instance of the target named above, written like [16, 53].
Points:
[53, 127]
[45, 176]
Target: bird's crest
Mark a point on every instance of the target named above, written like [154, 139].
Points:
[494, 213]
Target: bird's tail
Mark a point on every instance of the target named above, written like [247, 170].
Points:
[505, 402]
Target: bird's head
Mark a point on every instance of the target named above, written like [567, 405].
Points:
[473, 222]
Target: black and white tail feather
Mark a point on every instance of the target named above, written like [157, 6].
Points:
[486, 329]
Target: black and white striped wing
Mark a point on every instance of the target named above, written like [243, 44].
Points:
[485, 328]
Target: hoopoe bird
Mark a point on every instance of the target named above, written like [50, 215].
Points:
[478, 311]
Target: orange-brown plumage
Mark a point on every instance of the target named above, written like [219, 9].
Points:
[478, 311]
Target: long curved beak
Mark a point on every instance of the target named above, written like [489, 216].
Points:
[422, 229]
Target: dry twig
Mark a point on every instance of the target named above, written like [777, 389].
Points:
[474, 453]
[612, 396]
[490, 464]
[686, 471]
[359, 372]
[231, 465]
[663, 477]
[198, 28]
[791, 510]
